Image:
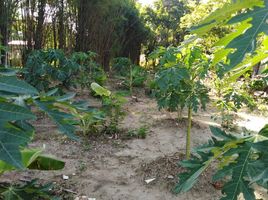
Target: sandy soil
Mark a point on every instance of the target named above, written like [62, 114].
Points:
[115, 169]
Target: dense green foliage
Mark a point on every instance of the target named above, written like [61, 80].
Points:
[131, 75]
[31, 190]
[179, 82]
[52, 68]
[16, 132]
[241, 161]
[196, 50]
[163, 19]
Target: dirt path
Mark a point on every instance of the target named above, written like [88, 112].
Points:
[115, 169]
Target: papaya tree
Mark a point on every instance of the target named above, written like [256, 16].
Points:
[241, 159]
[179, 82]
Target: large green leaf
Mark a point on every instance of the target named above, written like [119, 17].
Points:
[61, 119]
[188, 179]
[45, 162]
[222, 15]
[11, 112]
[247, 42]
[240, 162]
[100, 90]
[14, 85]
[239, 184]
[249, 18]
[34, 159]
[11, 139]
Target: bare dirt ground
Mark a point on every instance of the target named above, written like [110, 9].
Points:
[115, 169]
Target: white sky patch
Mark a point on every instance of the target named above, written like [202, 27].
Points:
[146, 2]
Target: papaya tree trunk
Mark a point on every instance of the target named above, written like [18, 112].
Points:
[179, 112]
[188, 137]
[131, 81]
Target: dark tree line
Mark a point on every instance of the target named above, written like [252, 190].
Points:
[111, 28]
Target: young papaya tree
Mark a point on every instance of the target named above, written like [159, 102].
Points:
[241, 158]
[179, 82]
[111, 106]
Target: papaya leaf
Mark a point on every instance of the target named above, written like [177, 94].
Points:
[31, 190]
[249, 19]
[11, 112]
[61, 119]
[247, 42]
[241, 162]
[11, 139]
[188, 179]
[66, 97]
[100, 90]
[222, 15]
[239, 184]
[44, 162]
[14, 85]
[34, 159]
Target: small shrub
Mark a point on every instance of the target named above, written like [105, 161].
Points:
[140, 133]
[111, 106]
[130, 74]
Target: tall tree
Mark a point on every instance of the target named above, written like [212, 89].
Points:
[3, 29]
[38, 39]
[61, 29]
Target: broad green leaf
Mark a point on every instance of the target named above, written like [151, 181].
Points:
[61, 119]
[11, 139]
[223, 14]
[14, 85]
[34, 159]
[11, 112]
[28, 156]
[220, 133]
[247, 43]
[239, 184]
[259, 55]
[188, 179]
[264, 131]
[100, 90]
[249, 18]
[44, 162]
[51, 92]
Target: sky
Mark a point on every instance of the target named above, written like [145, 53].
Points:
[146, 2]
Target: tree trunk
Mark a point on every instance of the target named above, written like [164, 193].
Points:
[61, 26]
[81, 37]
[54, 29]
[40, 23]
[3, 29]
[188, 137]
